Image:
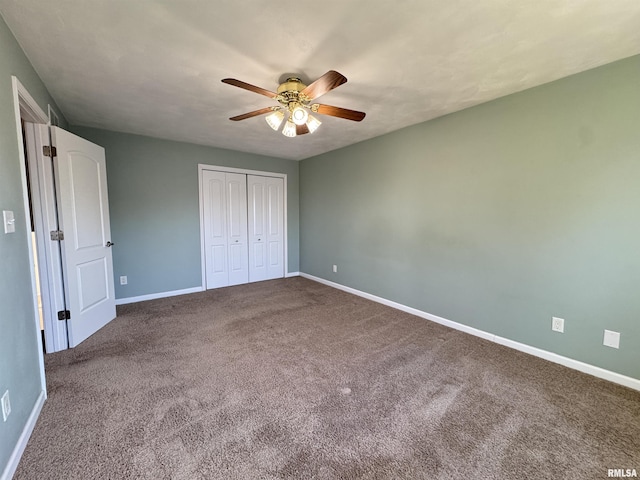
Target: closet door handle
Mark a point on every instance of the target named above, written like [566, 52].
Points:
[109, 243]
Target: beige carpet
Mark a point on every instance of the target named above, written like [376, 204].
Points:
[293, 379]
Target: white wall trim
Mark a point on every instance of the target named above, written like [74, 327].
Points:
[31, 108]
[25, 106]
[54, 118]
[244, 171]
[614, 377]
[18, 450]
[153, 296]
[41, 180]
[291, 274]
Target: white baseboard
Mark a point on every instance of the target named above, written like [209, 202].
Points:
[18, 450]
[153, 296]
[614, 377]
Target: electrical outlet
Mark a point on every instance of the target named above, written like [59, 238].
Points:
[6, 406]
[557, 324]
[123, 280]
[335, 269]
[611, 339]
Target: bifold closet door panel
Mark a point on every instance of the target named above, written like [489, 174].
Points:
[215, 228]
[275, 227]
[266, 227]
[225, 228]
[236, 184]
[257, 203]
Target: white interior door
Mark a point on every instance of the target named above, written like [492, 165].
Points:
[266, 227]
[237, 228]
[215, 228]
[225, 228]
[275, 227]
[83, 216]
[257, 211]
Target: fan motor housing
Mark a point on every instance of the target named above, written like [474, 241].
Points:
[293, 84]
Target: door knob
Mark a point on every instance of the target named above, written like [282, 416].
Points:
[109, 243]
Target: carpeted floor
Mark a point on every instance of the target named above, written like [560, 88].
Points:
[294, 379]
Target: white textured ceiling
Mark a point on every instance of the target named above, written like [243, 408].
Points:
[154, 67]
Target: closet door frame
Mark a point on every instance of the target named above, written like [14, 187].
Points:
[203, 167]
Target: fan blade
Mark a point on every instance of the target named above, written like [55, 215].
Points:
[301, 129]
[255, 113]
[248, 86]
[339, 112]
[324, 84]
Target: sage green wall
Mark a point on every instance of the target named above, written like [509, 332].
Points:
[19, 361]
[154, 207]
[497, 217]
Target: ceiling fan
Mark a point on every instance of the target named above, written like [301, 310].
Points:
[295, 98]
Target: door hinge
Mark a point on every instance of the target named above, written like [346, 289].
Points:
[49, 151]
[64, 315]
[57, 235]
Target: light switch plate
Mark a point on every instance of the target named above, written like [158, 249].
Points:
[9, 221]
[611, 339]
[6, 406]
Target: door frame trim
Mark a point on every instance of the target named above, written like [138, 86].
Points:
[201, 168]
[43, 203]
[25, 106]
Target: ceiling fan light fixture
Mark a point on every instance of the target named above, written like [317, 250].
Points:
[295, 106]
[275, 119]
[299, 115]
[289, 129]
[313, 123]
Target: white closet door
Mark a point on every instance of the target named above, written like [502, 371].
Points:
[215, 228]
[275, 227]
[257, 228]
[225, 228]
[236, 184]
[266, 227]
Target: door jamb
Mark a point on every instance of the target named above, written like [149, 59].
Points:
[201, 168]
[26, 107]
[44, 205]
